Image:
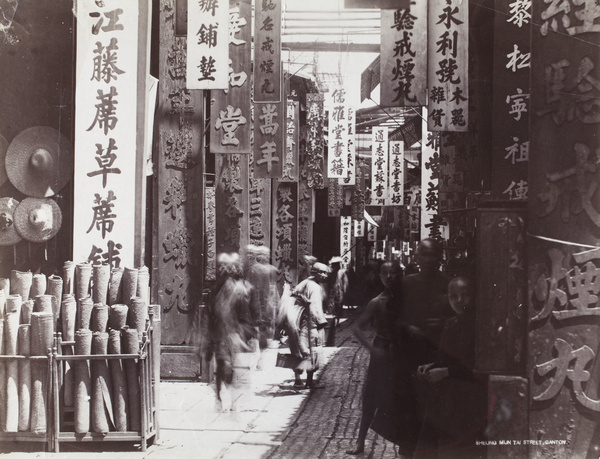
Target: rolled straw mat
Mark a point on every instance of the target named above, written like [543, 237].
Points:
[102, 414]
[11, 337]
[114, 287]
[26, 310]
[101, 278]
[129, 284]
[13, 303]
[41, 339]
[68, 315]
[5, 285]
[20, 283]
[130, 345]
[55, 289]
[84, 313]
[24, 378]
[38, 286]
[118, 316]
[143, 284]
[83, 382]
[119, 382]
[69, 277]
[99, 317]
[43, 303]
[83, 275]
[138, 313]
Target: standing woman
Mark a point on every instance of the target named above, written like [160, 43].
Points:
[381, 313]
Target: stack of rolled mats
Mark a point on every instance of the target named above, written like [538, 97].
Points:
[99, 311]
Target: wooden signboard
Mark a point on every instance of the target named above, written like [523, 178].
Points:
[284, 251]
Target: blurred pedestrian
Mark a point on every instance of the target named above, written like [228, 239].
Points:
[381, 314]
[264, 299]
[312, 295]
[306, 263]
[233, 327]
[336, 292]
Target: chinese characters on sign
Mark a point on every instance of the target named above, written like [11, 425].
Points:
[346, 239]
[432, 222]
[207, 44]
[448, 44]
[396, 179]
[350, 178]
[292, 134]
[269, 133]
[510, 134]
[210, 239]
[404, 55]
[285, 232]
[305, 218]
[359, 228]
[379, 166]
[314, 141]
[267, 50]
[568, 294]
[260, 208]
[105, 132]
[337, 153]
[230, 109]
[335, 198]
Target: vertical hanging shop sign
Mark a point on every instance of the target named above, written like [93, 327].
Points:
[105, 133]
[231, 202]
[337, 154]
[564, 223]
[511, 103]
[305, 218]
[357, 201]
[346, 240]
[269, 134]
[372, 233]
[285, 232]
[292, 134]
[359, 228]
[230, 108]
[350, 178]
[314, 141]
[448, 45]
[432, 222]
[379, 166]
[267, 50]
[396, 179]
[335, 198]
[207, 45]
[260, 208]
[404, 55]
[210, 273]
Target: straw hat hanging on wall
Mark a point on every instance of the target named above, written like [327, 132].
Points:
[3, 148]
[38, 220]
[39, 161]
[8, 231]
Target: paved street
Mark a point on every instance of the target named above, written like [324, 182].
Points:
[273, 420]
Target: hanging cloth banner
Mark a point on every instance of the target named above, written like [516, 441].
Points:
[337, 153]
[267, 50]
[314, 141]
[285, 232]
[230, 108]
[292, 133]
[207, 64]
[404, 56]
[346, 240]
[396, 179]
[511, 102]
[431, 220]
[448, 46]
[350, 178]
[379, 166]
[105, 135]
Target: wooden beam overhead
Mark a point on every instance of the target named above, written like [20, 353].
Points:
[331, 47]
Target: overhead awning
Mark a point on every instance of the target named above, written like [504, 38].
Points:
[409, 132]
[370, 78]
[369, 219]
